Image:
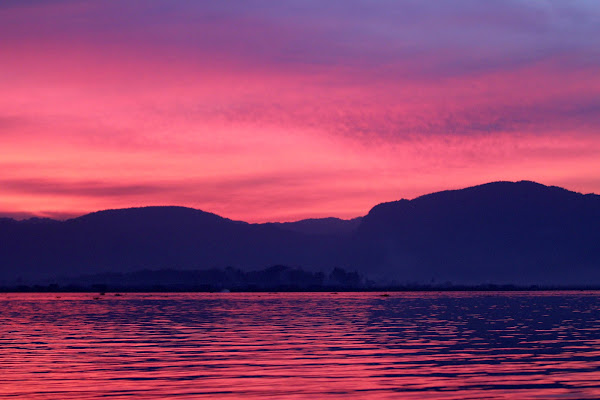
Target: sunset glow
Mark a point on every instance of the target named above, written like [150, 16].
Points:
[275, 111]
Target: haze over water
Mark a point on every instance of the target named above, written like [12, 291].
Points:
[301, 345]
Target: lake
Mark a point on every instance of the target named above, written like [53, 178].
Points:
[449, 345]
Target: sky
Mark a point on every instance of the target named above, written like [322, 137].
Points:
[282, 110]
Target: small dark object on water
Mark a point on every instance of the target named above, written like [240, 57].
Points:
[102, 293]
[96, 298]
[117, 294]
[385, 295]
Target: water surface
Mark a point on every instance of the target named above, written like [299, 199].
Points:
[300, 345]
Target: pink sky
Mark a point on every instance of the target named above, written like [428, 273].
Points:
[276, 111]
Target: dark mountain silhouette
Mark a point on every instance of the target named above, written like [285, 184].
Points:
[509, 232]
[502, 232]
[322, 226]
[152, 237]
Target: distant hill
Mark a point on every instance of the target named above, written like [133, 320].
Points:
[501, 232]
[126, 240]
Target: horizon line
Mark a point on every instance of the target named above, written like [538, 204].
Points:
[63, 216]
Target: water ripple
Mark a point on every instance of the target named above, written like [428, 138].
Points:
[301, 345]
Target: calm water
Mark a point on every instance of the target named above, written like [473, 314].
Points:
[307, 345]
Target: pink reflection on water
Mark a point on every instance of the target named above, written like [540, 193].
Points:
[300, 345]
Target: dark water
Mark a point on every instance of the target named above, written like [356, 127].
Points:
[307, 345]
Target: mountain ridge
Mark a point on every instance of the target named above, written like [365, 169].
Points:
[427, 195]
[501, 232]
